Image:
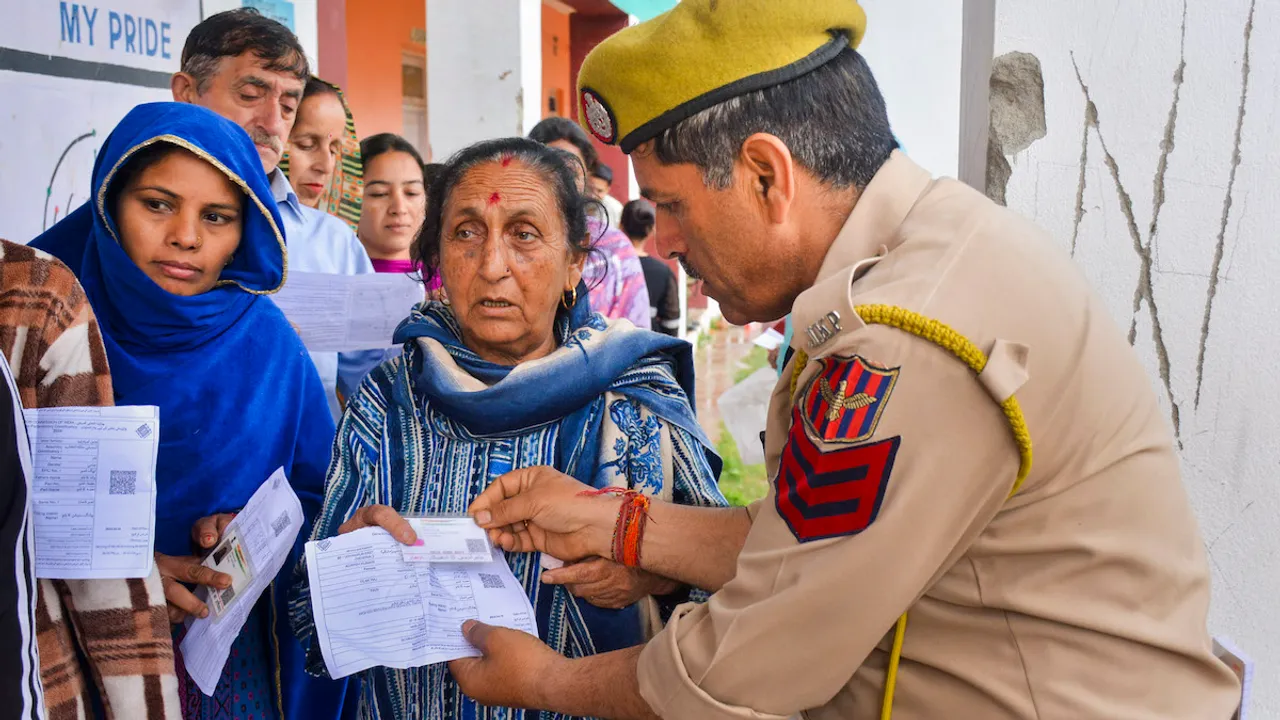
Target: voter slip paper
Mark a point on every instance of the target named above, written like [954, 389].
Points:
[374, 606]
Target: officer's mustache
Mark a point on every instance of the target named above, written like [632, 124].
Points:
[688, 269]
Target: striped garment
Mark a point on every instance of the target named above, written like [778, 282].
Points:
[21, 694]
[396, 447]
[107, 639]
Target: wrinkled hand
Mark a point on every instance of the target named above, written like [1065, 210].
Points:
[512, 670]
[180, 601]
[541, 508]
[608, 584]
[384, 517]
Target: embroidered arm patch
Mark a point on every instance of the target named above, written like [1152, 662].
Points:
[832, 494]
[837, 492]
[844, 401]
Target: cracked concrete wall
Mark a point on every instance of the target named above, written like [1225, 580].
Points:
[1159, 175]
[1017, 115]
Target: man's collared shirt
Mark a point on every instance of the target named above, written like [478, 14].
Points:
[321, 243]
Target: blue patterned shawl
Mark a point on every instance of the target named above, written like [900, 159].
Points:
[238, 395]
[431, 428]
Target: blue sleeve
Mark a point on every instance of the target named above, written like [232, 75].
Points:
[354, 367]
[352, 473]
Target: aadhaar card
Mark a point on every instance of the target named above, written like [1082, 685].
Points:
[230, 557]
[448, 539]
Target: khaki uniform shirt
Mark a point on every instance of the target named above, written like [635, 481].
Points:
[1083, 596]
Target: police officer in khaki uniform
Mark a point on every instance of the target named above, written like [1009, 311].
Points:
[976, 509]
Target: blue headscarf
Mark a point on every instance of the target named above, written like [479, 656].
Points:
[238, 395]
[566, 387]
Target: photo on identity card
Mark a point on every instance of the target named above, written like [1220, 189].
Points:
[230, 557]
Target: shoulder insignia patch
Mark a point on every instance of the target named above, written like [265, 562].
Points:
[844, 401]
[833, 494]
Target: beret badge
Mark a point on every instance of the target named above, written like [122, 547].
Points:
[599, 117]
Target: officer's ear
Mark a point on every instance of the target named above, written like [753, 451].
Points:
[771, 171]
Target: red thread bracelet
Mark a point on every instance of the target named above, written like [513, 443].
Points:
[628, 532]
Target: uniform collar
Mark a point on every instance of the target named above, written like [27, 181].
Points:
[826, 309]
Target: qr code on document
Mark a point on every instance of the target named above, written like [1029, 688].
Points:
[279, 524]
[477, 546]
[491, 581]
[123, 482]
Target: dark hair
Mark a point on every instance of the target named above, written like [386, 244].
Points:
[235, 32]
[833, 120]
[638, 219]
[137, 164]
[316, 86]
[383, 143]
[552, 164]
[556, 128]
[431, 171]
[604, 172]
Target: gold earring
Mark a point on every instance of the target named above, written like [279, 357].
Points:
[571, 301]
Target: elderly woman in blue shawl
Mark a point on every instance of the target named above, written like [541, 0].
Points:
[514, 371]
[177, 251]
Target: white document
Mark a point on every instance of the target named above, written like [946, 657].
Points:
[770, 339]
[1242, 666]
[448, 539]
[372, 607]
[340, 313]
[93, 497]
[263, 534]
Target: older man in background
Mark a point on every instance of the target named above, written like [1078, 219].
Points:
[251, 70]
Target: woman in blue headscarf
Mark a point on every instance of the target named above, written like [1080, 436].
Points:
[514, 371]
[177, 251]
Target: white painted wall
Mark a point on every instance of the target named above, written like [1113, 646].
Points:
[484, 71]
[1127, 53]
[914, 49]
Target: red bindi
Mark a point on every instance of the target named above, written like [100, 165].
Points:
[494, 199]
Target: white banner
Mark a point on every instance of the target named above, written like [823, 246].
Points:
[145, 34]
[68, 73]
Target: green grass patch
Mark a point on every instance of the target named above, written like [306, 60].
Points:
[741, 484]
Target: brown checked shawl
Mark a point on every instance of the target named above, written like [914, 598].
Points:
[112, 635]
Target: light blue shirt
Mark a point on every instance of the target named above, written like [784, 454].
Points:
[321, 243]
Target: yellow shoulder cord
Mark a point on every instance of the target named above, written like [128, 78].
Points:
[944, 337]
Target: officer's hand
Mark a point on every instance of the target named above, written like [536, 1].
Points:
[180, 601]
[384, 517]
[511, 671]
[608, 584]
[541, 508]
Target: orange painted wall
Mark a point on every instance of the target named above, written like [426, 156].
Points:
[378, 33]
[555, 62]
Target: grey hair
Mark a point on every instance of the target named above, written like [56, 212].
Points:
[833, 120]
[233, 32]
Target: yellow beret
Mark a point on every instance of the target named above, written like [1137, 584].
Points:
[646, 78]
